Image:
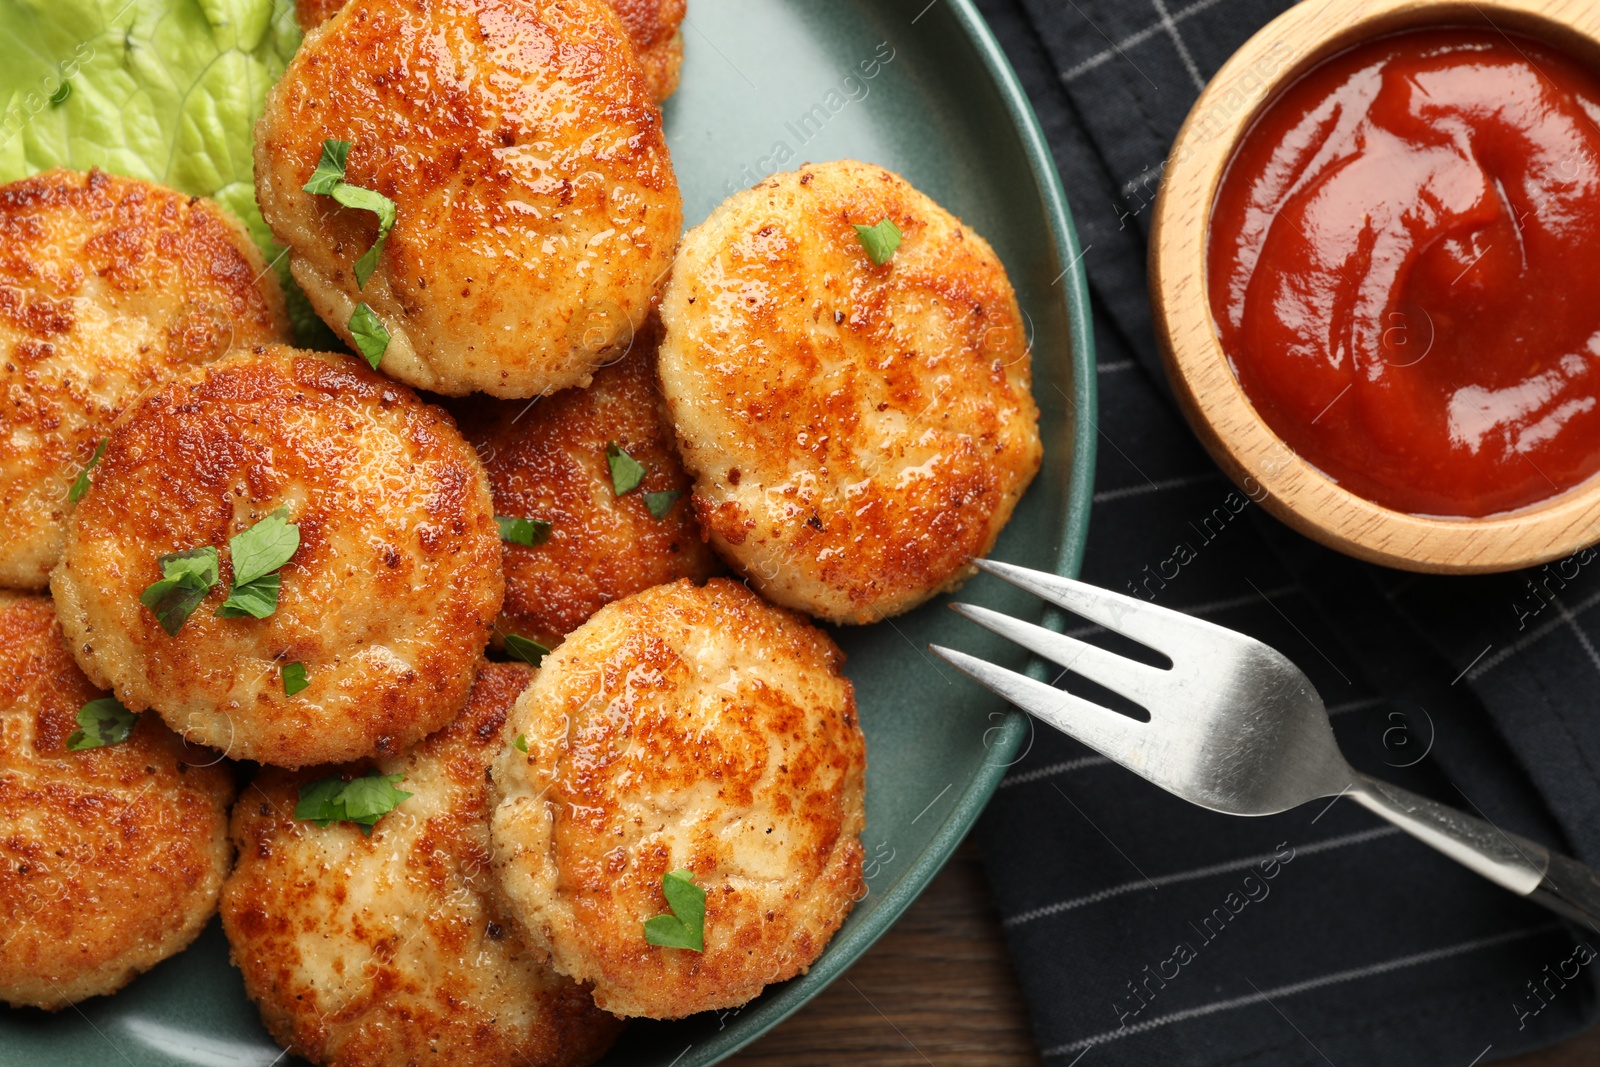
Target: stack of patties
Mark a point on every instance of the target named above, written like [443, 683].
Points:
[678, 820]
[373, 936]
[288, 557]
[113, 840]
[292, 557]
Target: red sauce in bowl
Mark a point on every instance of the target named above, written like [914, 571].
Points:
[1404, 269]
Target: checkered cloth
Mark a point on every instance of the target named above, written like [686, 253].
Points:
[1146, 931]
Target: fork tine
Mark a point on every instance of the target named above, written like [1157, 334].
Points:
[1113, 735]
[1138, 682]
[1140, 620]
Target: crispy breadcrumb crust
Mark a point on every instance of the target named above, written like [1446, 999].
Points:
[652, 25]
[107, 286]
[684, 727]
[387, 602]
[391, 950]
[537, 209]
[655, 28]
[548, 461]
[111, 858]
[858, 433]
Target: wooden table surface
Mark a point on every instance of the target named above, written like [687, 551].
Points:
[938, 989]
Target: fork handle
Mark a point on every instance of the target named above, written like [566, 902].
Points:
[1558, 882]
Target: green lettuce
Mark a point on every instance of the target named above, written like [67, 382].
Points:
[164, 90]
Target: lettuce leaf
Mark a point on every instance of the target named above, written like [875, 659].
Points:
[164, 90]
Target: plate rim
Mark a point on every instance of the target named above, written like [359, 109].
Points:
[843, 954]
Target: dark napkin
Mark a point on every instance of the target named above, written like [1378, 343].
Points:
[1146, 931]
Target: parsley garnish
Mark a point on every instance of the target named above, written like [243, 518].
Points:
[362, 801]
[381, 206]
[660, 504]
[186, 578]
[368, 331]
[328, 180]
[530, 652]
[330, 168]
[80, 485]
[685, 927]
[530, 532]
[257, 599]
[521, 743]
[264, 547]
[626, 472]
[880, 241]
[370, 334]
[294, 678]
[59, 97]
[257, 553]
[102, 722]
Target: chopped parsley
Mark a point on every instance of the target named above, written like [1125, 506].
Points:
[257, 554]
[626, 472]
[328, 180]
[80, 485]
[685, 927]
[880, 241]
[660, 504]
[186, 578]
[330, 168]
[521, 743]
[294, 678]
[264, 547]
[362, 801]
[370, 334]
[101, 722]
[529, 532]
[530, 652]
[257, 599]
[380, 205]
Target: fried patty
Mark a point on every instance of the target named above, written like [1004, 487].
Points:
[387, 602]
[390, 950]
[548, 461]
[107, 286]
[536, 206]
[857, 433]
[312, 13]
[111, 858]
[693, 728]
[652, 25]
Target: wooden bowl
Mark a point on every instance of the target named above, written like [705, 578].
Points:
[1209, 392]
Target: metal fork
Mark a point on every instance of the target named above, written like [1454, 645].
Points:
[1237, 728]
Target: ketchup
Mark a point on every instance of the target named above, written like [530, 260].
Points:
[1404, 269]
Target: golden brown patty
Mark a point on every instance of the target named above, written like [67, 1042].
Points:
[110, 858]
[652, 26]
[548, 461]
[537, 210]
[387, 602]
[857, 432]
[390, 950]
[313, 13]
[683, 727]
[107, 286]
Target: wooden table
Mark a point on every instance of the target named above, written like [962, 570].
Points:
[938, 991]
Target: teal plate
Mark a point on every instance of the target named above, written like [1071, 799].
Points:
[767, 85]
